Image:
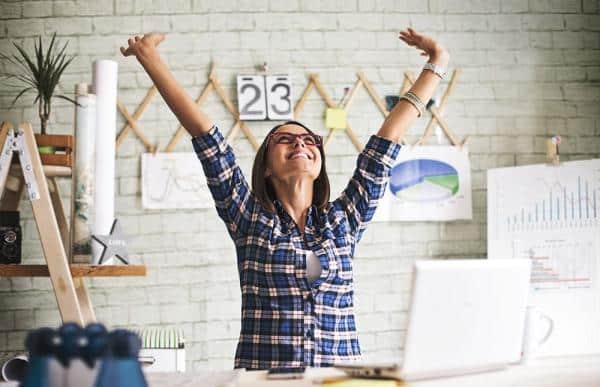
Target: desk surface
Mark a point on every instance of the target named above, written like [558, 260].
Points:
[577, 371]
[550, 372]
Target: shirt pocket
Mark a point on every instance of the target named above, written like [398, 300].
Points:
[338, 250]
[280, 268]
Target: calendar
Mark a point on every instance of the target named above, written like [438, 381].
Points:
[264, 97]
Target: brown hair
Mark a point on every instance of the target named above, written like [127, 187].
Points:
[263, 188]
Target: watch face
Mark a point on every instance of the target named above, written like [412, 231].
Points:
[439, 70]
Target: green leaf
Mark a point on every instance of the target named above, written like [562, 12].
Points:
[60, 70]
[27, 80]
[68, 99]
[32, 67]
[54, 77]
[49, 52]
[19, 95]
[39, 56]
[39, 72]
[59, 55]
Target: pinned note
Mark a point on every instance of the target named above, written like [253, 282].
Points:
[358, 382]
[335, 118]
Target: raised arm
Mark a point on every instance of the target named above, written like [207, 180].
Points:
[181, 104]
[404, 113]
[234, 201]
[367, 185]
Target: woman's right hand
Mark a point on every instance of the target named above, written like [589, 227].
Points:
[139, 45]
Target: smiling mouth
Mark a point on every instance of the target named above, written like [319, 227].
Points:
[299, 155]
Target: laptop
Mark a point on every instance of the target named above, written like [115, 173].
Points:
[465, 316]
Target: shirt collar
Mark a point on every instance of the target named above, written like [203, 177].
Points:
[287, 219]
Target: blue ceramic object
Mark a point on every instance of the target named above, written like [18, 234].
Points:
[120, 367]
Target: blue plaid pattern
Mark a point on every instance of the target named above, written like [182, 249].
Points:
[285, 321]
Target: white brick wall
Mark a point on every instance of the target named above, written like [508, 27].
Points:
[531, 69]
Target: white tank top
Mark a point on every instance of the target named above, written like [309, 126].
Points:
[313, 267]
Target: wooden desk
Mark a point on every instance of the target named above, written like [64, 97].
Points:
[550, 372]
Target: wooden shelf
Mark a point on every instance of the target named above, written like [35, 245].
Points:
[49, 170]
[77, 270]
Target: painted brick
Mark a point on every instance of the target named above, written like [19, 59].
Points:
[529, 70]
[558, 6]
[37, 9]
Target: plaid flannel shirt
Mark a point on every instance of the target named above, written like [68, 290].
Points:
[285, 321]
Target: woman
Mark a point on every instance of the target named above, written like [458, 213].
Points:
[294, 247]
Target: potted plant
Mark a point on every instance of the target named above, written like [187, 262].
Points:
[40, 74]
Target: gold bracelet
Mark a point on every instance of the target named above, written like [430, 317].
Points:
[412, 103]
[415, 101]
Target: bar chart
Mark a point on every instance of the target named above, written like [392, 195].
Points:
[550, 215]
[540, 198]
[570, 206]
[559, 264]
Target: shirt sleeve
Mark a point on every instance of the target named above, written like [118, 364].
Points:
[367, 186]
[234, 200]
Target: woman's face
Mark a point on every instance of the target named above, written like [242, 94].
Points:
[294, 159]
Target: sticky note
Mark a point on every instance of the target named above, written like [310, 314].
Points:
[335, 118]
[356, 382]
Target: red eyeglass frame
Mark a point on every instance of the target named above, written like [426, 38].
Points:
[318, 139]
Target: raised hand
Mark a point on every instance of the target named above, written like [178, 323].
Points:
[138, 44]
[427, 45]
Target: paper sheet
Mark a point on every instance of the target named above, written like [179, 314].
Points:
[551, 215]
[174, 180]
[428, 183]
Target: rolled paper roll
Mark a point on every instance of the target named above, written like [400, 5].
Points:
[105, 76]
[82, 214]
[14, 368]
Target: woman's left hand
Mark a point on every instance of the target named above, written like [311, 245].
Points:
[429, 47]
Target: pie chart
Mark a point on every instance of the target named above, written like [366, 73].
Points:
[424, 180]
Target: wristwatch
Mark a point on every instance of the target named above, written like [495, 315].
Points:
[437, 69]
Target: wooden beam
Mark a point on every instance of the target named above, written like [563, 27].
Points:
[50, 238]
[131, 120]
[76, 270]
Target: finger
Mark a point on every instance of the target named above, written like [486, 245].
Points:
[137, 38]
[123, 51]
[131, 41]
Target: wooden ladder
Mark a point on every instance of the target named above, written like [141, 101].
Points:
[71, 293]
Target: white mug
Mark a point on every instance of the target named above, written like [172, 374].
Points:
[538, 329]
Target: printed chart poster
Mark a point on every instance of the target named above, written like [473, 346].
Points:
[551, 216]
[428, 183]
[173, 180]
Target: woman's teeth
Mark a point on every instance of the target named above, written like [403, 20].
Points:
[298, 155]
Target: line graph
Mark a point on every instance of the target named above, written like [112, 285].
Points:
[173, 180]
